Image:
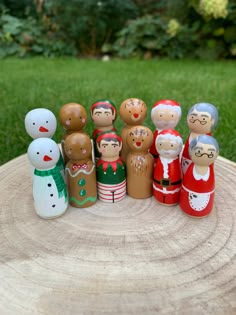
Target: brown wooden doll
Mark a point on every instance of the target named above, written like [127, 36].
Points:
[103, 114]
[139, 162]
[73, 118]
[198, 189]
[133, 112]
[80, 171]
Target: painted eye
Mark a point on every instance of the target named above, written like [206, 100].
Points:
[33, 123]
[204, 119]
[50, 150]
[80, 117]
[47, 122]
[133, 139]
[37, 152]
[172, 145]
[69, 118]
[130, 111]
[142, 140]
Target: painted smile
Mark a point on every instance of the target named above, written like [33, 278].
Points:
[135, 116]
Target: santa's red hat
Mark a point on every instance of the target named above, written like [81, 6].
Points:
[170, 134]
[166, 104]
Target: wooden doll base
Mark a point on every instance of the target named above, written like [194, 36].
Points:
[167, 205]
[198, 217]
[53, 217]
[130, 257]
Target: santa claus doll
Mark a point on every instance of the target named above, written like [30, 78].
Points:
[198, 188]
[201, 119]
[167, 172]
[165, 114]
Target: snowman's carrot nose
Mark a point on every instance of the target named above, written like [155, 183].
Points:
[47, 158]
[43, 129]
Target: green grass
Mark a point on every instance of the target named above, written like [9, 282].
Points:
[50, 83]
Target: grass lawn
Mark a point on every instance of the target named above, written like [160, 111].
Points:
[50, 83]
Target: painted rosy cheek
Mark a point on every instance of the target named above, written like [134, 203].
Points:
[67, 122]
[83, 120]
[84, 151]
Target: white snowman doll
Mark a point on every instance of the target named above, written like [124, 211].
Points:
[42, 123]
[49, 188]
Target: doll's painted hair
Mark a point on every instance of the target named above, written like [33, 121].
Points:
[107, 104]
[108, 136]
[206, 107]
[204, 139]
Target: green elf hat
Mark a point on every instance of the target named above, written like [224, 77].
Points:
[104, 103]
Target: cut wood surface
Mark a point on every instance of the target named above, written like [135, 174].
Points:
[131, 257]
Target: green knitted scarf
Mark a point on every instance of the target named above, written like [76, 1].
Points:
[56, 174]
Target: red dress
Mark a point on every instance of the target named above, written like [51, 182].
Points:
[167, 180]
[197, 192]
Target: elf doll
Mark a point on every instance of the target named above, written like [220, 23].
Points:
[111, 170]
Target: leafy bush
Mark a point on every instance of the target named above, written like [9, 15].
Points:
[20, 8]
[156, 35]
[24, 37]
[197, 28]
[176, 29]
[90, 24]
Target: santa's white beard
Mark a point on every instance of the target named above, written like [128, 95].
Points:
[169, 154]
[171, 124]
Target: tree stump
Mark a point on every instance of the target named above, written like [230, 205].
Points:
[131, 257]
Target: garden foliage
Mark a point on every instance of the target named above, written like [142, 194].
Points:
[132, 28]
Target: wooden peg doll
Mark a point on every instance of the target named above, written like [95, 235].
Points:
[165, 114]
[42, 123]
[111, 171]
[73, 118]
[49, 188]
[133, 112]
[198, 189]
[80, 171]
[202, 118]
[103, 114]
[167, 172]
[139, 162]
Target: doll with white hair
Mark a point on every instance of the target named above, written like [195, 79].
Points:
[198, 189]
[167, 173]
[202, 118]
[165, 114]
